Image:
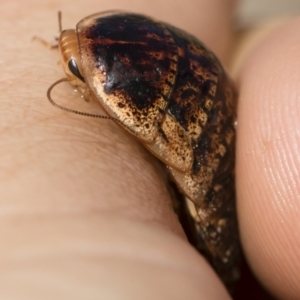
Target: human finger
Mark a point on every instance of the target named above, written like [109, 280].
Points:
[76, 179]
[268, 159]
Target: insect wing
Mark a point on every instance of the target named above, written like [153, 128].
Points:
[130, 65]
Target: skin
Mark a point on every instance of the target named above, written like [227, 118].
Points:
[84, 209]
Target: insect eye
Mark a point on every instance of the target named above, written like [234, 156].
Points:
[72, 65]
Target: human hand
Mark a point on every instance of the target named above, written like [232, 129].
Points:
[85, 213]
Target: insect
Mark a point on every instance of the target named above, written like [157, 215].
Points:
[169, 91]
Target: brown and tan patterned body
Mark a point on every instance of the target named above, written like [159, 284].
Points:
[170, 92]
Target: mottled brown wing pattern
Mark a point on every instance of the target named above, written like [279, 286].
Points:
[204, 103]
[132, 65]
[171, 93]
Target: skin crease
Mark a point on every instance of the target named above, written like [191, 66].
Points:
[84, 211]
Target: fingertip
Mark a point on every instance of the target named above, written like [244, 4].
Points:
[268, 159]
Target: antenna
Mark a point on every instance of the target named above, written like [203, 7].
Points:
[73, 111]
[59, 22]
